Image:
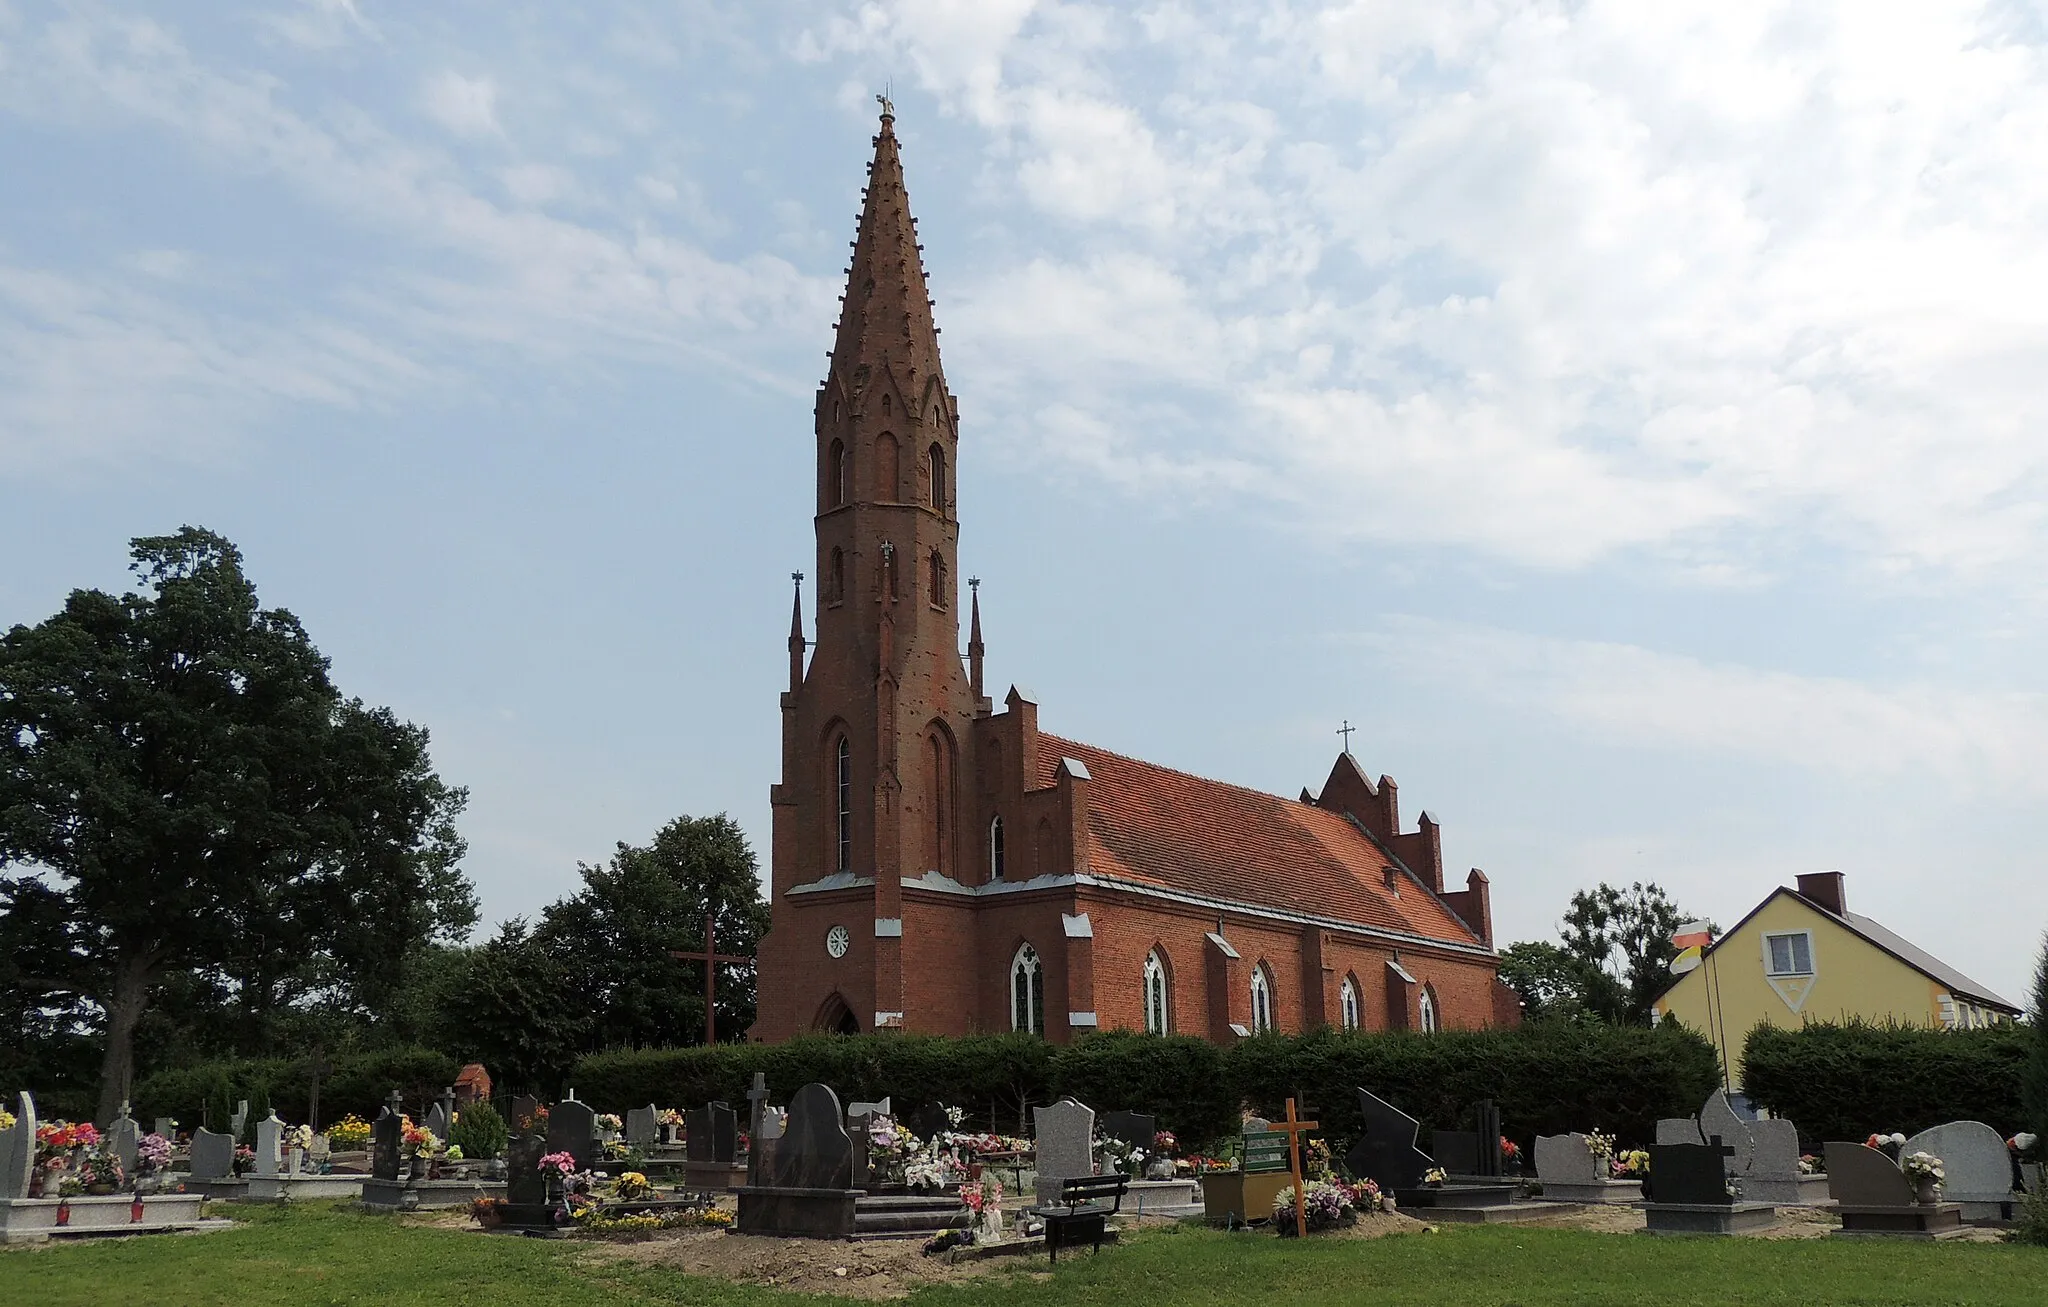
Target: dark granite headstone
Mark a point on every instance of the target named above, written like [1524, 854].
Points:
[523, 1181]
[1860, 1176]
[1474, 1152]
[387, 1145]
[521, 1108]
[814, 1151]
[1385, 1152]
[572, 1129]
[1690, 1173]
[929, 1122]
[1133, 1128]
[711, 1134]
[643, 1126]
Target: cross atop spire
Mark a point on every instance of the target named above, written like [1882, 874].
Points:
[885, 322]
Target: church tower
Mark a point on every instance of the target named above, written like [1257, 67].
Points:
[878, 724]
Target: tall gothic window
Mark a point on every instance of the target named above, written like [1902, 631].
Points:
[1427, 1004]
[835, 475]
[938, 580]
[844, 786]
[941, 797]
[938, 460]
[1347, 1004]
[1157, 1020]
[995, 849]
[1262, 1000]
[1027, 991]
[835, 576]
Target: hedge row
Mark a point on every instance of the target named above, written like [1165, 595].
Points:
[1855, 1080]
[1545, 1079]
[356, 1083]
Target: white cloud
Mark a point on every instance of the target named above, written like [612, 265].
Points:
[466, 106]
[1980, 742]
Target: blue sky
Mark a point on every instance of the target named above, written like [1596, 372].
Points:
[1627, 415]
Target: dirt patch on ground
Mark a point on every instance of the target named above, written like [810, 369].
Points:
[880, 1268]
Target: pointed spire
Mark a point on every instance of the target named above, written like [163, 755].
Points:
[796, 635]
[886, 320]
[974, 637]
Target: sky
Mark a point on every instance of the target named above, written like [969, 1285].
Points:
[1628, 417]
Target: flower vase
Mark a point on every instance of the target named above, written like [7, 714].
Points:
[1927, 1191]
[53, 1184]
[991, 1230]
[1159, 1168]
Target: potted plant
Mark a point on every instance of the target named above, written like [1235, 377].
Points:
[1924, 1173]
[99, 1171]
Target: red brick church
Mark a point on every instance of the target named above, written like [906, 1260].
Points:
[940, 865]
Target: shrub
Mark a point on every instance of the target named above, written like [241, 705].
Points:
[1857, 1079]
[479, 1131]
[358, 1083]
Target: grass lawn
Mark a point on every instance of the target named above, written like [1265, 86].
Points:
[309, 1257]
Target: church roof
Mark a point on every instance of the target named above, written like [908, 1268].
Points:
[1222, 841]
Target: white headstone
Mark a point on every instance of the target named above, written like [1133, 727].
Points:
[269, 1145]
[240, 1119]
[1066, 1144]
[1565, 1159]
[1973, 1158]
[18, 1151]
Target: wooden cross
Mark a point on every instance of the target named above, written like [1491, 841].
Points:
[1295, 1130]
[710, 957]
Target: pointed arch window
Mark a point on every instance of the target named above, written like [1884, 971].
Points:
[1348, 1005]
[843, 785]
[940, 592]
[835, 474]
[941, 798]
[1427, 1010]
[995, 849]
[1027, 991]
[1158, 1020]
[835, 576]
[1262, 1000]
[885, 403]
[938, 462]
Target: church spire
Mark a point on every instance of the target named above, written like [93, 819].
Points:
[796, 635]
[885, 323]
[974, 637]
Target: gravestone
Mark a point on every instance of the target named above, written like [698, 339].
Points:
[1133, 1128]
[1569, 1171]
[766, 1139]
[166, 1127]
[1773, 1175]
[1679, 1130]
[1385, 1152]
[572, 1129]
[1692, 1175]
[643, 1126]
[213, 1155]
[1066, 1144]
[757, 1125]
[929, 1122]
[239, 1119]
[269, 1145]
[524, 1183]
[1977, 1164]
[387, 1143]
[1256, 1125]
[1474, 1152]
[1861, 1176]
[814, 1151]
[520, 1110]
[860, 1111]
[711, 1135]
[18, 1152]
[123, 1136]
[860, 1120]
[438, 1121]
[1718, 1118]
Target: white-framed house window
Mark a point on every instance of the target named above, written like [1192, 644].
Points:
[1262, 1000]
[1788, 953]
[1157, 1019]
[1347, 1004]
[1027, 991]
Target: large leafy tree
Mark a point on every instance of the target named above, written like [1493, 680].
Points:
[178, 770]
[1612, 960]
[634, 911]
[1555, 985]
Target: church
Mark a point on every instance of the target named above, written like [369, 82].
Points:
[946, 867]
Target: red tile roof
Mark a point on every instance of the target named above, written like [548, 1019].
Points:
[1152, 823]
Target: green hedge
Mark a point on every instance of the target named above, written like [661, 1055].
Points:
[357, 1083]
[1852, 1081]
[1546, 1079]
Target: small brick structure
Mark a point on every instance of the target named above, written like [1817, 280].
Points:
[944, 867]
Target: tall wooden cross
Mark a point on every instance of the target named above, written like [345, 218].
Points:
[710, 957]
[1294, 1130]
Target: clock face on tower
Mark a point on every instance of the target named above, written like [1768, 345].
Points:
[837, 940]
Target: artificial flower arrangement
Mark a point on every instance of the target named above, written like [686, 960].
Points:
[6, 1119]
[1510, 1152]
[245, 1159]
[1121, 1155]
[536, 1124]
[890, 1148]
[351, 1134]
[418, 1141]
[1631, 1164]
[2024, 1146]
[152, 1154]
[986, 1192]
[1809, 1164]
[668, 1116]
[1316, 1161]
[1164, 1143]
[1327, 1204]
[1201, 1164]
[632, 1185]
[1889, 1144]
[63, 1136]
[299, 1137]
[99, 1171]
[1434, 1177]
[606, 1121]
[1600, 1145]
[1921, 1167]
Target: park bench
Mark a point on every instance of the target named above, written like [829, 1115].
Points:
[1082, 1211]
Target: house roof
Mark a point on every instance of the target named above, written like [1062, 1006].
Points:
[1879, 936]
[1165, 827]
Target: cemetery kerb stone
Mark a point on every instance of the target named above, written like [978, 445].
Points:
[1977, 1165]
[809, 1189]
[1066, 1145]
[572, 1129]
[1570, 1173]
[643, 1126]
[1874, 1198]
[213, 1155]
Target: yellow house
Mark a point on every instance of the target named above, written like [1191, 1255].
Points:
[1802, 956]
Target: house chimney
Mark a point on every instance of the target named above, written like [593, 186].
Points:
[1825, 888]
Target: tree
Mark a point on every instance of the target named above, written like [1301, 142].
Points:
[513, 1006]
[177, 767]
[1555, 985]
[1624, 935]
[2034, 1085]
[620, 930]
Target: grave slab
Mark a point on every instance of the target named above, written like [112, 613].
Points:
[1977, 1165]
[1706, 1218]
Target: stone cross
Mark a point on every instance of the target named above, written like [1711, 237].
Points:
[318, 1068]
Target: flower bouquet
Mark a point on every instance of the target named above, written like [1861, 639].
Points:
[351, 1134]
[99, 1171]
[1510, 1156]
[1434, 1178]
[1924, 1172]
[152, 1154]
[1324, 1205]
[632, 1185]
[1633, 1164]
[1889, 1144]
